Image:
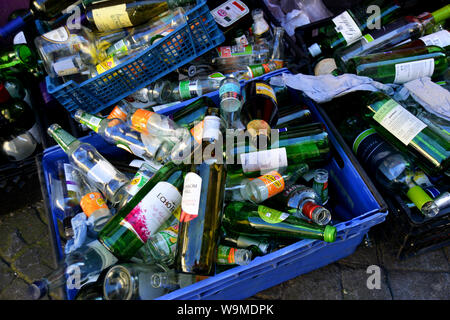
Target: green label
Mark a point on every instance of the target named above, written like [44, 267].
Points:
[91, 121]
[361, 137]
[63, 138]
[223, 255]
[185, 93]
[368, 38]
[119, 48]
[271, 215]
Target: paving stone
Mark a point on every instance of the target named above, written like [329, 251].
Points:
[39, 206]
[354, 283]
[30, 264]
[12, 245]
[273, 293]
[419, 285]
[362, 257]
[430, 261]
[6, 276]
[31, 227]
[320, 284]
[17, 290]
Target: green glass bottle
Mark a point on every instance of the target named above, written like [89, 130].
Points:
[258, 220]
[142, 216]
[348, 27]
[393, 33]
[440, 38]
[408, 133]
[193, 113]
[202, 204]
[391, 169]
[19, 58]
[401, 65]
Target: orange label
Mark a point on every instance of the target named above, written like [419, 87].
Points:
[117, 113]
[92, 202]
[197, 132]
[140, 118]
[274, 183]
[231, 259]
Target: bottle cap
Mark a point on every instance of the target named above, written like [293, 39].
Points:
[441, 14]
[329, 234]
[37, 289]
[4, 94]
[315, 50]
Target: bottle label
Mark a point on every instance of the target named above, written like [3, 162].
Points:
[164, 106]
[226, 255]
[274, 184]
[234, 51]
[111, 18]
[230, 90]
[408, 71]
[117, 113]
[108, 259]
[188, 89]
[321, 188]
[70, 181]
[440, 39]
[169, 236]
[140, 118]
[257, 70]
[270, 215]
[92, 202]
[91, 121]
[368, 38]
[399, 121]
[242, 40]
[118, 48]
[137, 183]
[191, 197]
[105, 65]
[64, 67]
[347, 27]
[229, 12]
[102, 172]
[153, 210]
[211, 128]
[264, 89]
[308, 209]
[197, 132]
[58, 35]
[264, 160]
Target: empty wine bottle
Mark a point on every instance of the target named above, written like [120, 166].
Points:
[253, 220]
[79, 267]
[143, 215]
[440, 39]
[390, 168]
[292, 116]
[92, 164]
[17, 59]
[201, 213]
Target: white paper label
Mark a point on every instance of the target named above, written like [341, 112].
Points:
[440, 39]
[58, 35]
[64, 67]
[399, 121]
[229, 12]
[102, 172]
[264, 161]
[408, 71]
[191, 194]
[211, 128]
[71, 184]
[347, 27]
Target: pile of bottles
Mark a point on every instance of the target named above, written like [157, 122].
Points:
[403, 144]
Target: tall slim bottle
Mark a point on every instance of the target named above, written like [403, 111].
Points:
[144, 214]
[202, 203]
[92, 164]
[253, 220]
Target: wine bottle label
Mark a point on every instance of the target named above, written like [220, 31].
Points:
[264, 89]
[226, 255]
[70, 181]
[273, 182]
[211, 128]
[270, 215]
[229, 12]
[58, 35]
[399, 121]
[347, 27]
[117, 113]
[440, 39]
[92, 202]
[107, 258]
[111, 18]
[264, 160]
[102, 172]
[408, 71]
[153, 210]
[191, 196]
[197, 132]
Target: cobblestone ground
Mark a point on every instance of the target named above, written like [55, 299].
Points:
[25, 255]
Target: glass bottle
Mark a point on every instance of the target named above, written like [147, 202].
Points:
[293, 116]
[230, 100]
[320, 185]
[391, 169]
[227, 255]
[257, 245]
[17, 59]
[143, 215]
[260, 27]
[92, 164]
[440, 39]
[79, 267]
[348, 27]
[393, 33]
[257, 220]
[193, 113]
[277, 55]
[69, 195]
[400, 65]
[401, 128]
[201, 213]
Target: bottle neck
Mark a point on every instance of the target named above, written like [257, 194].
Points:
[64, 139]
[90, 120]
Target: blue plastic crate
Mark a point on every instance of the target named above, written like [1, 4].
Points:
[359, 208]
[189, 41]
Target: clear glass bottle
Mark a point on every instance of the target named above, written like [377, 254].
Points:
[230, 100]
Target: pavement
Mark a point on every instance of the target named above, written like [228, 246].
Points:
[26, 255]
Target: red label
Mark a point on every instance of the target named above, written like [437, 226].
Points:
[238, 6]
[308, 208]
